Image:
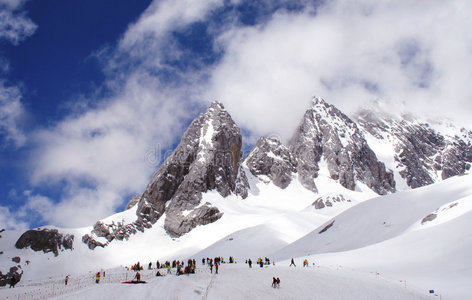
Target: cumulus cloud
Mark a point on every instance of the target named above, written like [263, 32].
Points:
[411, 52]
[108, 152]
[98, 157]
[10, 220]
[14, 28]
[14, 25]
[11, 113]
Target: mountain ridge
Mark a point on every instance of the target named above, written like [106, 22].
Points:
[332, 163]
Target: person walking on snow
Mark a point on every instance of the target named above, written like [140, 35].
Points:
[292, 263]
[66, 280]
[216, 268]
[97, 277]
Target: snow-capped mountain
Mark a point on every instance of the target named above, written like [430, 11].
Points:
[328, 137]
[208, 157]
[326, 146]
[419, 153]
[206, 197]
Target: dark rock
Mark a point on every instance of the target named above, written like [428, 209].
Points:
[269, 157]
[46, 240]
[326, 133]
[91, 243]
[13, 273]
[329, 200]
[133, 202]
[326, 227]
[420, 151]
[176, 224]
[16, 259]
[429, 218]
[208, 157]
[319, 203]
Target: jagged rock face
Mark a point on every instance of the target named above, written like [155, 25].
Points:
[214, 158]
[423, 155]
[12, 273]
[46, 240]
[269, 157]
[327, 134]
[457, 157]
[179, 223]
[306, 147]
[133, 202]
[329, 201]
[208, 157]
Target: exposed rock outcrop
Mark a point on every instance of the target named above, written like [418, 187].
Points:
[422, 154]
[133, 202]
[329, 201]
[269, 157]
[429, 218]
[328, 136]
[13, 273]
[46, 240]
[208, 157]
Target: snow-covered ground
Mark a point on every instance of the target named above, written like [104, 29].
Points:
[418, 238]
[238, 281]
[393, 236]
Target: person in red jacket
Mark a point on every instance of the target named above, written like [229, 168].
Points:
[97, 277]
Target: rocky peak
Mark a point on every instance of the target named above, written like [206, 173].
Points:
[423, 154]
[272, 159]
[208, 157]
[325, 133]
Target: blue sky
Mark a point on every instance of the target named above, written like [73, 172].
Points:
[94, 93]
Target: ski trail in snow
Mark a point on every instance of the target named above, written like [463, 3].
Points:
[209, 287]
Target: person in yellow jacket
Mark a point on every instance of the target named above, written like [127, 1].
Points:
[97, 277]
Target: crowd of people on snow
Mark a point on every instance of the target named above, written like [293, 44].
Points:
[261, 262]
[190, 268]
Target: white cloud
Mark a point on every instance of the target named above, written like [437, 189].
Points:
[11, 113]
[14, 26]
[12, 4]
[414, 52]
[417, 52]
[106, 153]
[10, 220]
[102, 155]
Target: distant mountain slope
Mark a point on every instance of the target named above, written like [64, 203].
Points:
[383, 218]
[206, 200]
[420, 153]
[420, 235]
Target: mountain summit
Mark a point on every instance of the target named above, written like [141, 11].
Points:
[277, 195]
[208, 157]
[328, 137]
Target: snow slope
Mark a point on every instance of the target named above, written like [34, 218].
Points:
[392, 235]
[237, 281]
[269, 219]
[385, 235]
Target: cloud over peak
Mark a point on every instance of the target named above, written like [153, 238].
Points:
[265, 69]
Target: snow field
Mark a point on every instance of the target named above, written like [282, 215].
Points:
[55, 286]
[238, 281]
